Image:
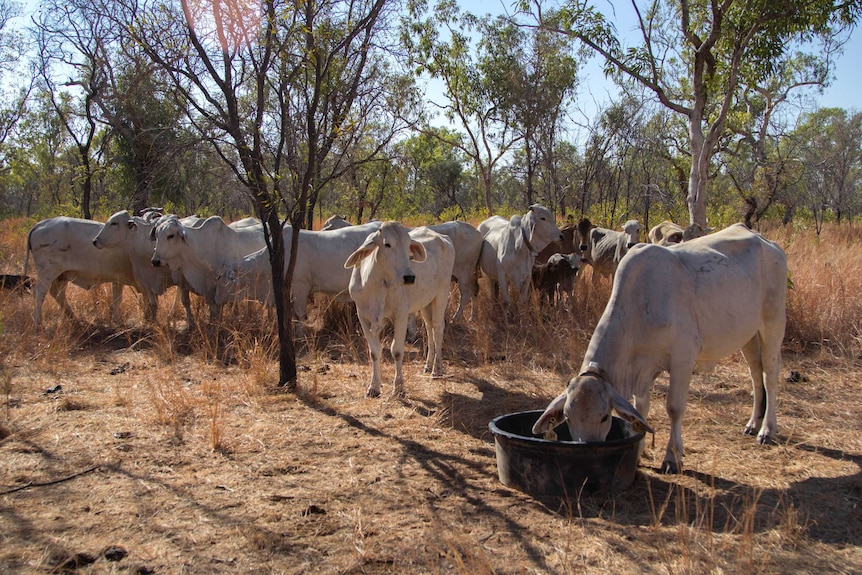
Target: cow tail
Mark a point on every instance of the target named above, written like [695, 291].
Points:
[27, 252]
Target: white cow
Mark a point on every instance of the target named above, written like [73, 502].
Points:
[665, 233]
[509, 248]
[672, 308]
[131, 236]
[467, 242]
[199, 252]
[63, 252]
[396, 273]
[335, 222]
[319, 268]
[603, 249]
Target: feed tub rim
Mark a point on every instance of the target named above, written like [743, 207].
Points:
[496, 430]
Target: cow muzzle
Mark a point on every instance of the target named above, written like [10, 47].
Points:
[584, 247]
[409, 280]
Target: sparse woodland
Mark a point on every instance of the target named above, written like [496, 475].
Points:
[155, 447]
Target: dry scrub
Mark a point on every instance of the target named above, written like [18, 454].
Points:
[173, 447]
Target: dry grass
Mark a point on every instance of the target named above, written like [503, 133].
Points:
[173, 444]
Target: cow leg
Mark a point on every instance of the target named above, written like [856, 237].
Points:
[42, 286]
[641, 404]
[503, 287]
[463, 298]
[151, 305]
[762, 362]
[116, 301]
[435, 321]
[677, 395]
[300, 309]
[399, 336]
[187, 303]
[58, 292]
[375, 350]
[474, 296]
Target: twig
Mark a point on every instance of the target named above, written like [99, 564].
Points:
[44, 483]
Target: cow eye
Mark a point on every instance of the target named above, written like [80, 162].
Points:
[387, 245]
[604, 419]
[171, 236]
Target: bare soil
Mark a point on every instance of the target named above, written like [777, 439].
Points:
[124, 452]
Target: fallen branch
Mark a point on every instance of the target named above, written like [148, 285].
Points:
[53, 482]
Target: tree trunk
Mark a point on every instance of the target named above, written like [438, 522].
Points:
[486, 190]
[283, 309]
[697, 180]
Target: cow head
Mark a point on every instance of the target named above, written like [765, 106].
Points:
[168, 235]
[393, 250]
[583, 229]
[587, 406]
[113, 232]
[540, 227]
[632, 229]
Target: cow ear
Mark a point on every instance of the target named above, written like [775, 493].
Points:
[628, 412]
[153, 234]
[362, 251]
[417, 252]
[182, 233]
[555, 411]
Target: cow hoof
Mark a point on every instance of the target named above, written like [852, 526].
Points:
[372, 392]
[751, 429]
[766, 439]
[669, 468]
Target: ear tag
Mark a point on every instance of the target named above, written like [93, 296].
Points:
[550, 434]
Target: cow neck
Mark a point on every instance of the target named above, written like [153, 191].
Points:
[533, 252]
[594, 369]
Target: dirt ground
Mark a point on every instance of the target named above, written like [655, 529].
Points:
[116, 457]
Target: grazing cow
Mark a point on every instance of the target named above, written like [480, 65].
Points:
[672, 308]
[665, 233]
[63, 252]
[603, 249]
[319, 268]
[131, 236]
[556, 277]
[510, 247]
[199, 252]
[396, 273]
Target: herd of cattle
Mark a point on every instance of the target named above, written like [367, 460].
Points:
[688, 297]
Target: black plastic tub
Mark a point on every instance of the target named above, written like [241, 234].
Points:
[563, 468]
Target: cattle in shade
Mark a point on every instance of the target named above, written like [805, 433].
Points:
[199, 252]
[555, 279]
[603, 249]
[395, 273]
[510, 247]
[672, 308]
[319, 268]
